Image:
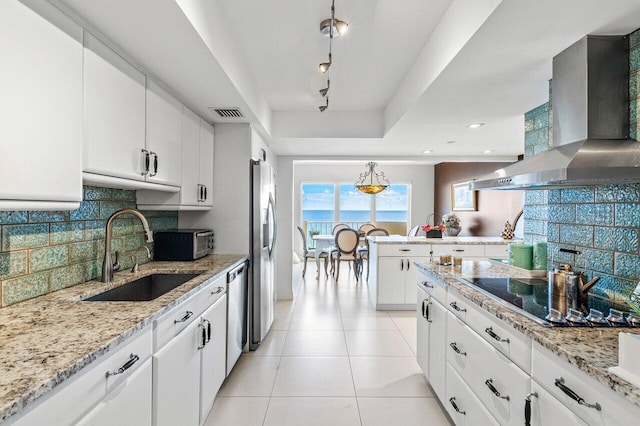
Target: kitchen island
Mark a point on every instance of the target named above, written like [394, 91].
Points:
[49, 340]
[467, 338]
[391, 275]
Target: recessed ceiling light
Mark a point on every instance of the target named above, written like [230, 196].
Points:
[475, 125]
[487, 151]
[451, 142]
[427, 151]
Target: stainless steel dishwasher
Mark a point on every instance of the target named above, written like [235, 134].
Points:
[236, 314]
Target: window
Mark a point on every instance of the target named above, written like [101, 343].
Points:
[392, 204]
[325, 204]
[354, 205]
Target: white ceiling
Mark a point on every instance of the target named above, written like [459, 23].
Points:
[408, 76]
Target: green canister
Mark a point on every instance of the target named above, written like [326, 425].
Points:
[540, 255]
[521, 255]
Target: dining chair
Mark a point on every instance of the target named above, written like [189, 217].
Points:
[366, 227]
[310, 253]
[413, 231]
[363, 254]
[333, 249]
[347, 250]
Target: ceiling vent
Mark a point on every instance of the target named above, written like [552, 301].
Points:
[228, 112]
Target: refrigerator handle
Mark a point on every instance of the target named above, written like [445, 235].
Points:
[273, 224]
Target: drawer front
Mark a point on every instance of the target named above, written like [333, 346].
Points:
[404, 250]
[499, 384]
[464, 250]
[470, 410]
[546, 410]
[173, 322]
[76, 397]
[505, 338]
[433, 287]
[614, 409]
[498, 251]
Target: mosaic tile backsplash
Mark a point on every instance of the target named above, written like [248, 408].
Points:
[45, 251]
[602, 222]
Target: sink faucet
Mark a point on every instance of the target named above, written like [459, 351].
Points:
[107, 266]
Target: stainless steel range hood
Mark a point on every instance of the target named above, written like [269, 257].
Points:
[590, 89]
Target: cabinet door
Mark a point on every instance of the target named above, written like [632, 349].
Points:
[128, 403]
[410, 280]
[214, 367]
[190, 194]
[437, 348]
[422, 347]
[40, 103]
[114, 113]
[391, 280]
[206, 161]
[546, 410]
[176, 378]
[164, 136]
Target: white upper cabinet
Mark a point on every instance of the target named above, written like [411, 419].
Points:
[206, 162]
[164, 136]
[114, 113]
[41, 107]
[197, 170]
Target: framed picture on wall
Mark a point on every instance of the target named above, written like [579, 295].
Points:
[462, 198]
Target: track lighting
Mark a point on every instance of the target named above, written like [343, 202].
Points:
[324, 91]
[331, 28]
[324, 66]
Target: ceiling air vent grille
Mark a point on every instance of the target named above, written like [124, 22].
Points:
[229, 112]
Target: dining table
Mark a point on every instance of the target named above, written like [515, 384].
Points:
[324, 242]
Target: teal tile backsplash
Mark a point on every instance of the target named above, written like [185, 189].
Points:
[602, 222]
[44, 251]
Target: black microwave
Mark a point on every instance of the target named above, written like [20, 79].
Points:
[182, 244]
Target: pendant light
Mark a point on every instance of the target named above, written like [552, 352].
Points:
[366, 184]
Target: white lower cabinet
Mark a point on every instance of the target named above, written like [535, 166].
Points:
[127, 403]
[499, 384]
[189, 370]
[213, 361]
[547, 410]
[462, 405]
[431, 339]
[81, 398]
[176, 379]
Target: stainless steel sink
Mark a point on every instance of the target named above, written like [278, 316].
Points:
[143, 289]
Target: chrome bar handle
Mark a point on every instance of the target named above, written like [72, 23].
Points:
[559, 382]
[155, 164]
[146, 162]
[457, 350]
[452, 400]
[489, 383]
[426, 284]
[208, 329]
[490, 332]
[186, 316]
[455, 306]
[527, 408]
[133, 358]
[218, 290]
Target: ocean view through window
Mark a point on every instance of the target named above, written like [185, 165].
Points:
[323, 205]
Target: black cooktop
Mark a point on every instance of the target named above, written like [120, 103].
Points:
[530, 297]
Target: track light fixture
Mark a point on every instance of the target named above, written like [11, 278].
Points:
[324, 66]
[324, 91]
[331, 28]
[322, 108]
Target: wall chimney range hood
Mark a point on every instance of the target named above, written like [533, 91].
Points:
[590, 89]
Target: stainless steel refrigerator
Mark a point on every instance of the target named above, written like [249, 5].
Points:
[262, 267]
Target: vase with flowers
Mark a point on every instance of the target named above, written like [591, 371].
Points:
[434, 231]
[451, 221]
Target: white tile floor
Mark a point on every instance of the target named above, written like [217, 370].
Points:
[330, 359]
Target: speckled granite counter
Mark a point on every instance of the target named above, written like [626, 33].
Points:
[45, 340]
[397, 239]
[592, 350]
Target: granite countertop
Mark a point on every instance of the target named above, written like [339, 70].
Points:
[398, 239]
[44, 341]
[592, 350]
